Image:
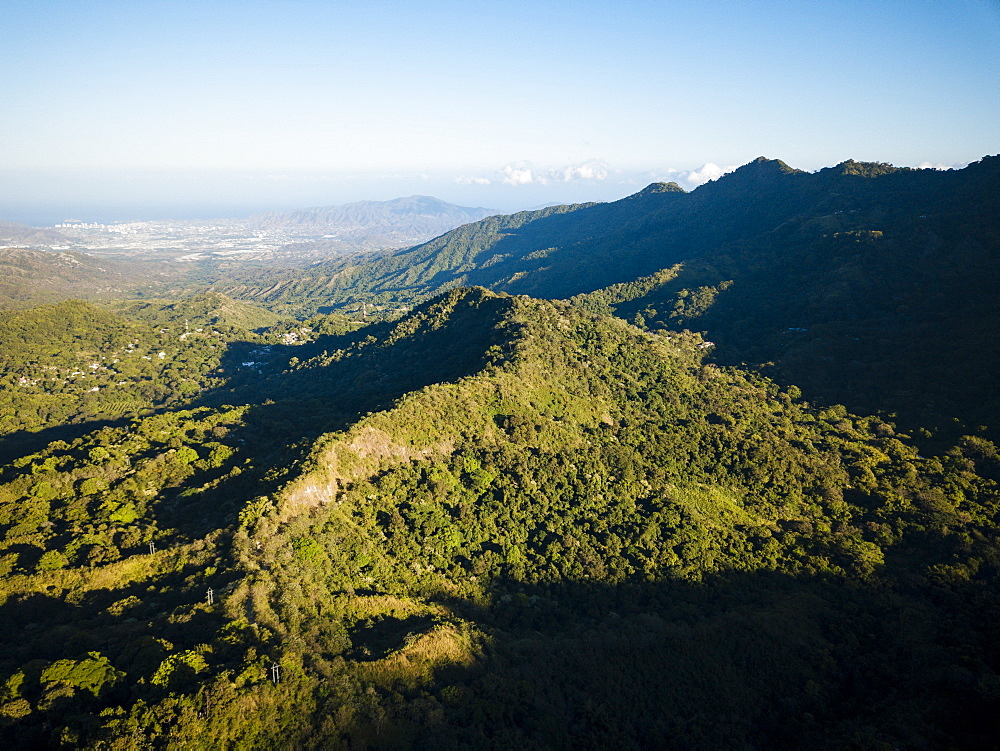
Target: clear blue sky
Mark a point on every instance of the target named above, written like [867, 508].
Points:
[171, 107]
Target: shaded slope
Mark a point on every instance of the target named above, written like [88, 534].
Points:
[882, 296]
[562, 251]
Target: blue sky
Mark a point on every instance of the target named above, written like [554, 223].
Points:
[166, 107]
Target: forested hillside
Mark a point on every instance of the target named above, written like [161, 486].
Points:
[500, 522]
[566, 250]
[887, 304]
[33, 277]
[737, 489]
[68, 366]
[397, 279]
[863, 284]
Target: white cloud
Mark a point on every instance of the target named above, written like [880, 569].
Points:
[592, 170]
[928, 165]
[691, 179]
[526, 173]
[520, 174]
[705, 173]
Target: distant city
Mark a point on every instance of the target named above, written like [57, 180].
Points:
[179, 240]
[282, 238]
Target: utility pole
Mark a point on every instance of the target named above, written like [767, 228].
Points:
[152, 547]
[211, 596]
[275, 672]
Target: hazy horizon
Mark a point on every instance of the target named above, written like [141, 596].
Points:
[48, 199]
[97, 197]
[89, 199]
[223, 109]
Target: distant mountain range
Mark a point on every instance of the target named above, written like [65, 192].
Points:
[15, 234]
[398, 222]
[862, 283]
[566, 250]
[33, 277]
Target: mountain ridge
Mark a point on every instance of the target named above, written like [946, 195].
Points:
[401, 218]
[776, 265]
[647, 231]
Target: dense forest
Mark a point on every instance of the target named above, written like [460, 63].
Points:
[865, 284]
[737, 488]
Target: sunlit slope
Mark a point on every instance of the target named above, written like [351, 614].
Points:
[34, 277]
[720, 448]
